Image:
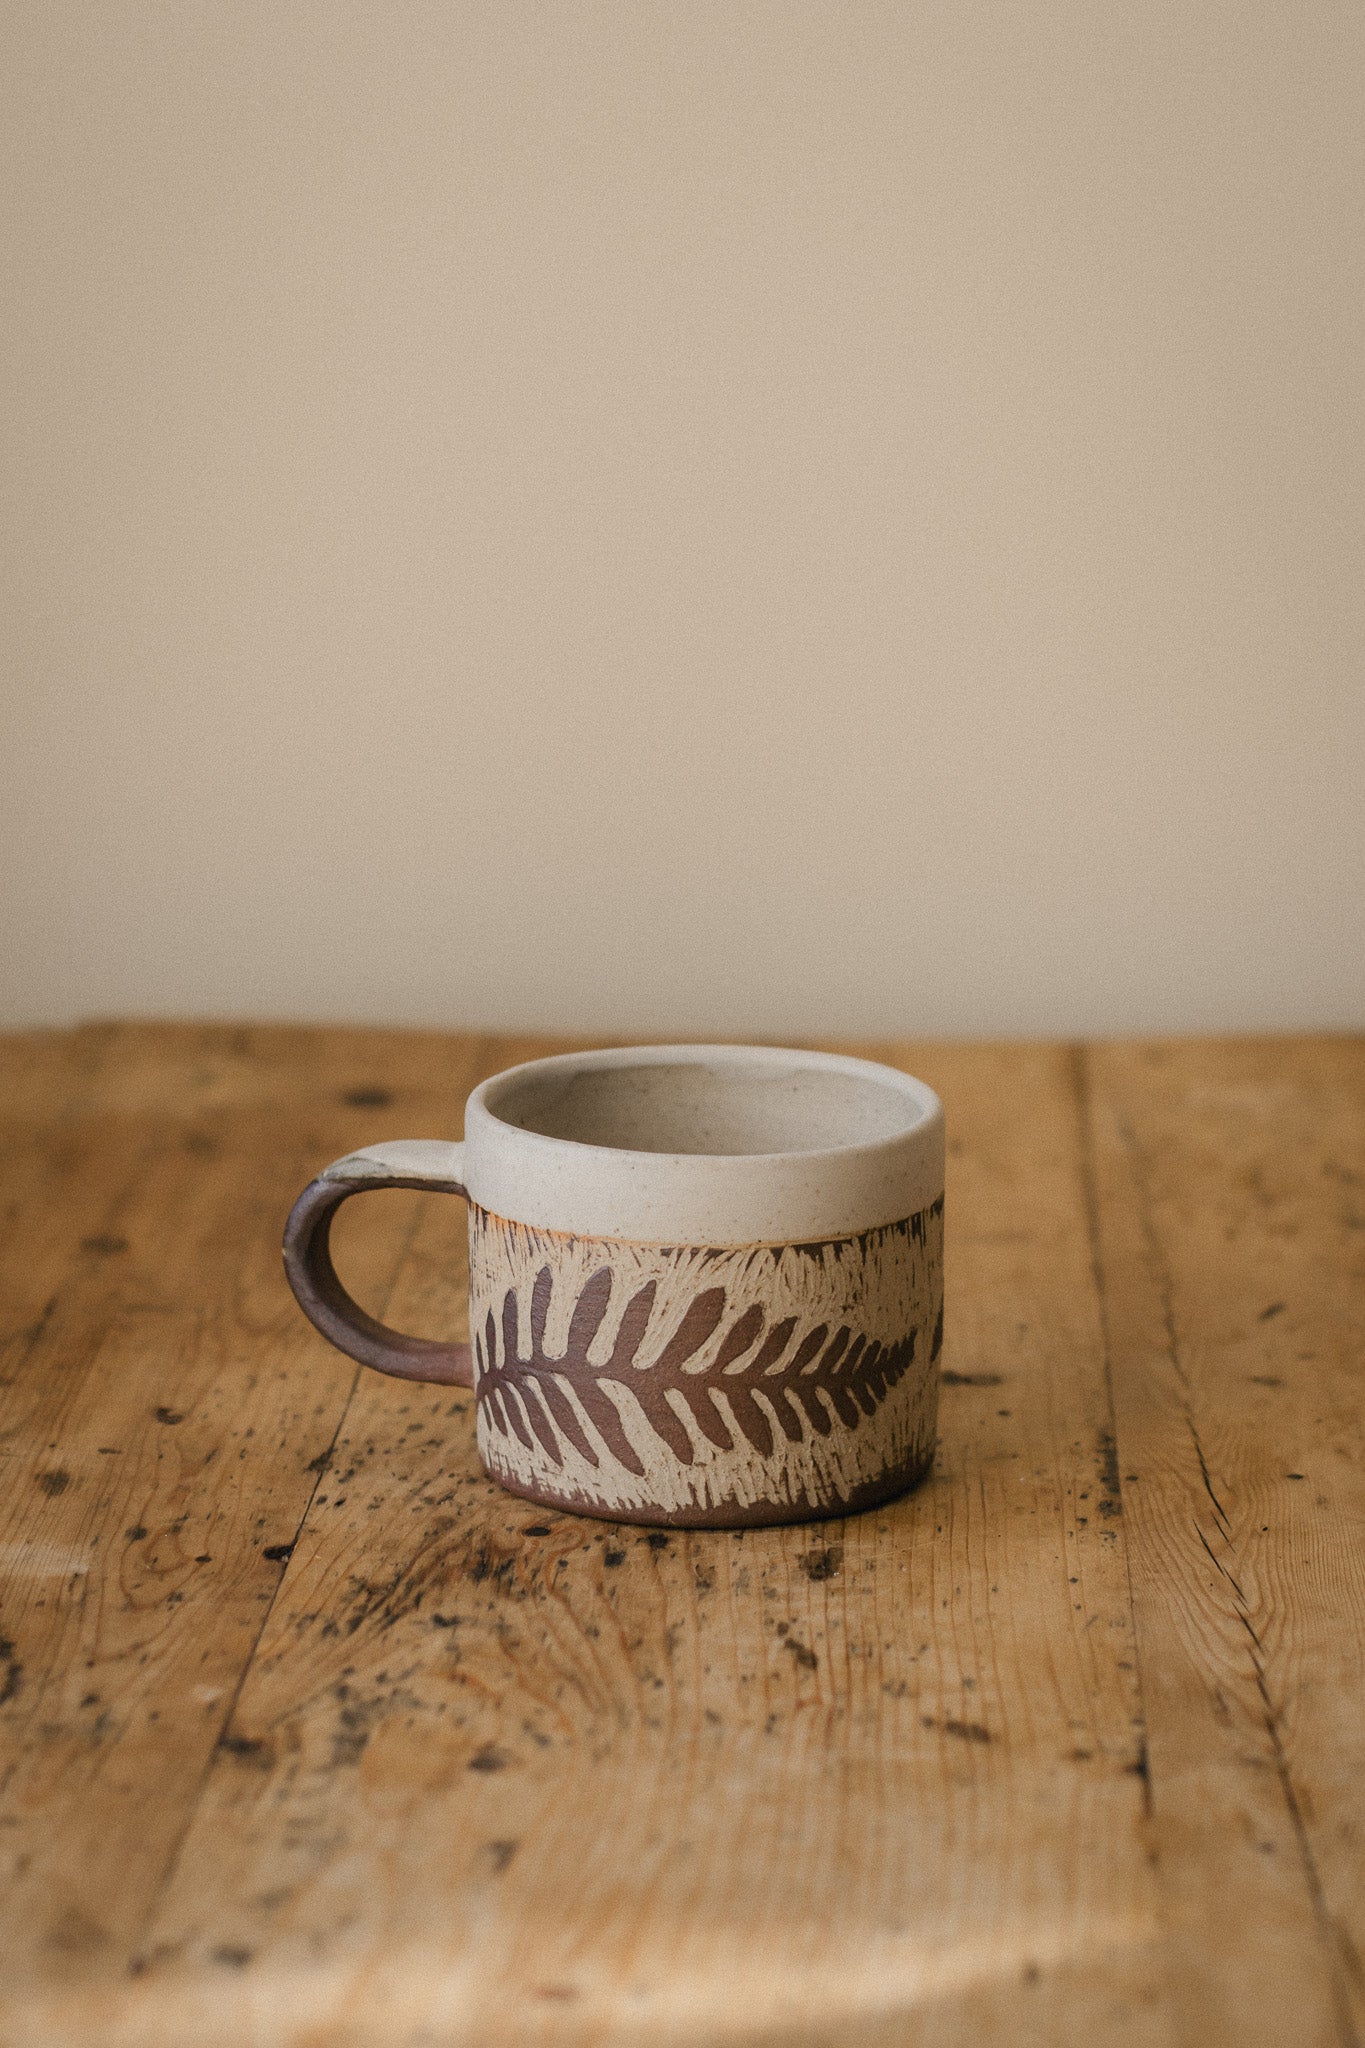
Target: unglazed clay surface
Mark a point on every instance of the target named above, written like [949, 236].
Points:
[706, 1385]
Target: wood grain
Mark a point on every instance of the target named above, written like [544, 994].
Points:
[159, 1423]
[447, 1770]
[1231, 1230]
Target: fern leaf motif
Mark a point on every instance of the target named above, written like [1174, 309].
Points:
[605, 1369]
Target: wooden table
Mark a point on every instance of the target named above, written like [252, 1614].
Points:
[311, 1736]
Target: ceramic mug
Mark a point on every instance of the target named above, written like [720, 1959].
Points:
[705, 1282]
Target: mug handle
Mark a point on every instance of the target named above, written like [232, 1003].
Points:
[428, 1163]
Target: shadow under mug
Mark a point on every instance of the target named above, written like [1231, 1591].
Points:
[705, 1282]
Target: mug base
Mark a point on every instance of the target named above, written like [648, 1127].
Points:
[730, 1514]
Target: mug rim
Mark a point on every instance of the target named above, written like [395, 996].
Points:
[813, 1194]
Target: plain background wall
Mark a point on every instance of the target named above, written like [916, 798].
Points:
[739, 516]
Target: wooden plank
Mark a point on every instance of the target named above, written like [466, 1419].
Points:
[1231, 1231]
[497, 1776]
[160, 1432]
[58, 1178]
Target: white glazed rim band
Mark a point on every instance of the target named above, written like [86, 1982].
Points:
[705, 1198]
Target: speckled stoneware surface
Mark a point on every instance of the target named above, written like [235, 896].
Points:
[706, 1283]
[695, 1384]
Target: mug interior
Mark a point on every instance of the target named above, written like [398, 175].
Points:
[717, 1105]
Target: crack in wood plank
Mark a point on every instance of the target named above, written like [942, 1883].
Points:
[1079, 1071]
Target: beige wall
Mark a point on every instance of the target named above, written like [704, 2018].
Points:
[738, 516]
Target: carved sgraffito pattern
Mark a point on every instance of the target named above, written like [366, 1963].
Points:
[618, 1374]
